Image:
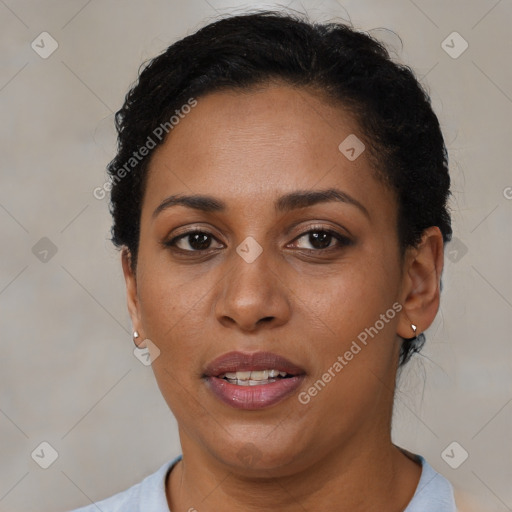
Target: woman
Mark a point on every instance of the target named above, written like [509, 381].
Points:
[279, 195]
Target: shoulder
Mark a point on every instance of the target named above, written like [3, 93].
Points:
[466, 502]
[150, 492]
[434, 492]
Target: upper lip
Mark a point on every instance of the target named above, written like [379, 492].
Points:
[240, 362]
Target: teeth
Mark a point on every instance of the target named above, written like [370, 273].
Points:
[253, 378]
[251, 382]
[259, 375]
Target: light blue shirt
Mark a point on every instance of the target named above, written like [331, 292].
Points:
[433, 494]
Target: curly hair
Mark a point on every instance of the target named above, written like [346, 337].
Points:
[345, 66]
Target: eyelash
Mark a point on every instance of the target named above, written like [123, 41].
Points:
[342, 240]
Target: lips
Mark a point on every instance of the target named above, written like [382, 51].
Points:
[241, 362]
[259, 394]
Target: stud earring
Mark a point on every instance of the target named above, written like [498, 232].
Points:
[135, 334]
[414, 328]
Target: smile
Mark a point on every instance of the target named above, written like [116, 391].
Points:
[253, 381]
[254, 378]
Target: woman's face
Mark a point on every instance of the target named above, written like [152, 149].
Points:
[307, 282]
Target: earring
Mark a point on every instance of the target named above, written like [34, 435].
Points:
[413, 327]
[135, 334]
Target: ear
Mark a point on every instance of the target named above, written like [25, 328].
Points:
[131, 295]
[420, 297]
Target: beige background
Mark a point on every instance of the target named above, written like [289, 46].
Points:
[68, 375]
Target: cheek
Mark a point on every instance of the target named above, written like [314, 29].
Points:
[351, 298]
[343, 318]
[170, 313]
[354, 349]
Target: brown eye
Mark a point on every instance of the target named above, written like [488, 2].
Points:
[196, 240]
[321, 239]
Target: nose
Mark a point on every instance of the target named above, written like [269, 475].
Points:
[252, 296]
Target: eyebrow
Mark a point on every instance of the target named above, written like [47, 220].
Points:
[286, 203]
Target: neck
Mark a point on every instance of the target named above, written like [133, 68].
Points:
[356, 478]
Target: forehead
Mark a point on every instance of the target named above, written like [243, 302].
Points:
[242, 145]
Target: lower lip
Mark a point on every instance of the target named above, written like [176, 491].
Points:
[254, 397]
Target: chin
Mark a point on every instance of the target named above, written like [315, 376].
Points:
[263, 457]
